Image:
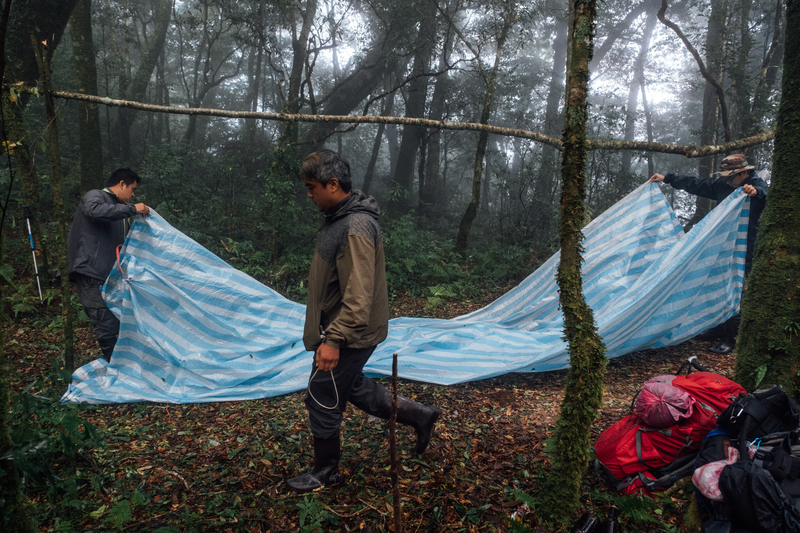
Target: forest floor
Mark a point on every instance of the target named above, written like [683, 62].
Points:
[222, 466]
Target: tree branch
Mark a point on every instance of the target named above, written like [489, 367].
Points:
[689, 151]
[709, 78]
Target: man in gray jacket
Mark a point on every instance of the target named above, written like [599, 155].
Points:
[99, 226]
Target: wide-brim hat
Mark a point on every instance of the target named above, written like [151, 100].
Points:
[733, 164]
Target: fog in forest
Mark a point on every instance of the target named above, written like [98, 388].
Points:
[231, 184]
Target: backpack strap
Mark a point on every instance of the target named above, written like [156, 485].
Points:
[669, 479]
[781, 460]
[667, 433]
[707, 407]
[750, 406]
[603, 472]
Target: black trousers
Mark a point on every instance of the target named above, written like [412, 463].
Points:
[347, 379]
[105, 324]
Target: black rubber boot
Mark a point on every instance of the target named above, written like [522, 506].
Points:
[107, 347]
[326, 463]
[724, 346]
[420, 417]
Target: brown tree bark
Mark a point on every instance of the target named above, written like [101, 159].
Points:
[136, 89]
[300, 52]
[415, 107]
[379, 62]
[636, 84]
[25, 168]
[468, 218]
[90, 140]
[47, 18]
[768, 75]
[43, 56]
[546, 184]
[708, 129]
[743, 125]
[387, 108]
[431, 195]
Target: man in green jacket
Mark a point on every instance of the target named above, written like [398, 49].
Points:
[347, 316]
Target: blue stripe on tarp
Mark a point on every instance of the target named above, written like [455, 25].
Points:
[194, 329]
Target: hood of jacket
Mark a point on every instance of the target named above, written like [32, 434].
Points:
[355, 202]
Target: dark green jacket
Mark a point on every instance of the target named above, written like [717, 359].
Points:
[347, 296]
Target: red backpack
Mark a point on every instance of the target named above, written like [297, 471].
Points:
[712, 391]
[635, 456]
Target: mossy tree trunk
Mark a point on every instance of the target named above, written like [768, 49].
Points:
[43, 56]
[560, 492]
[17, 134]
[769, 334]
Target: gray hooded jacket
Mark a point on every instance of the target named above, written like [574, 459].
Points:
[97, 229]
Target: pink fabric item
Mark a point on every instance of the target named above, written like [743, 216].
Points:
[661, 404]
[666, 378]
[706, 478]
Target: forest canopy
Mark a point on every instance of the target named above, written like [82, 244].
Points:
[231, 182]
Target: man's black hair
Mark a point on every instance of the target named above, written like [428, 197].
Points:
[324, 165]
[125, 175]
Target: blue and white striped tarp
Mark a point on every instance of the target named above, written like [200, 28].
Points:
[194, 329]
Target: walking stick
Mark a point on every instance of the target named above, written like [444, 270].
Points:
[33, 250]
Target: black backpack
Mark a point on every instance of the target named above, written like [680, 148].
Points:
[762, 494]
[763, 412]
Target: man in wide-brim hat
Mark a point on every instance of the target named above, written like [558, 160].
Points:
[734, 172]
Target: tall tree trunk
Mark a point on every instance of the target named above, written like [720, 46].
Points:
[468, 218]
[25, 167]
[430, 196]
[91, 143]
[299, 51]
[415, 108]
[387, 108]
[251, 102]
[616, 32]
[46, 19]
[43, 58]
[546, 184]
[741, 85]
[769, 333]
[584, 384]
[651, 167]
[768, 75]
[636, 82]
[167, 131]
[379, 62]
[392, 137]
[708, 129]
[137, 88]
